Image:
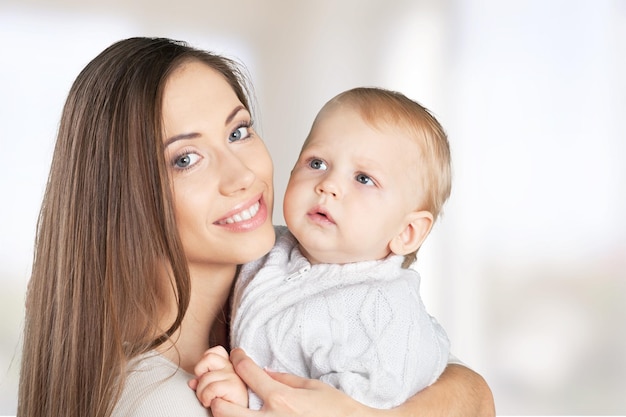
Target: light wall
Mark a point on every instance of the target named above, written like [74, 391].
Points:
[525, 269]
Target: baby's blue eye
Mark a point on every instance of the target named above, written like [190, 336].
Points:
[317, 164]
[364, 179]
[238, 134]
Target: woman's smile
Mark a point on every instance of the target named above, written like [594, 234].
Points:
[221, 168]
[248, 217]
[245, 214]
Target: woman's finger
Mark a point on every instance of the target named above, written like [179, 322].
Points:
[291, 380]
[252, 374]
[286, 395]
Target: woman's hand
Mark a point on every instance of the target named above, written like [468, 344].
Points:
[286, 395]
[459, 392]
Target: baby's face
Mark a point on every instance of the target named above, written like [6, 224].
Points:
[352, 188]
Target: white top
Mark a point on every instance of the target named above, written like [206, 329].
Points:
[156, 387]
[360, 327]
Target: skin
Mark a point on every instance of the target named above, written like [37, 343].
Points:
[459, 392]
[329, 180]
[222, 184]
[352, 194]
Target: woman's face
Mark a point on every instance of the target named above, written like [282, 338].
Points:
[221, 171]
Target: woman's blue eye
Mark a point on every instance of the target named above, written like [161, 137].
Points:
[186, 160]
[317, 164]
[364, 179]
[239, 133]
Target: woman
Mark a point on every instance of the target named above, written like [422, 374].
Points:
[159, 188]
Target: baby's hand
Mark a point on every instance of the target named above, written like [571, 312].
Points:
[216, 378]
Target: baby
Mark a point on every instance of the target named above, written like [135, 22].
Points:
[335, 299]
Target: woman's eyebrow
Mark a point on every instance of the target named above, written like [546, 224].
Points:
[193, 135]
[182, 136]
[233, 113]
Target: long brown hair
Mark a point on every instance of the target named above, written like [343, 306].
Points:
[105, 230]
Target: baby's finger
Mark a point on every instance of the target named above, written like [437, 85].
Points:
[208, 387]
[217, 389]
[213, 359]
[208, 378]
[223, 408]
[205, 397]
[218, 350]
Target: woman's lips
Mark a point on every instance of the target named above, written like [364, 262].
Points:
[248, 218]
[243, 215]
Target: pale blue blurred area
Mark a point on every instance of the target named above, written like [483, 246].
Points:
[526, 269]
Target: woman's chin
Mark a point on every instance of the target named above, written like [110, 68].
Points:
[258, 245]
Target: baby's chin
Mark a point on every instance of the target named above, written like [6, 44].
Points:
[334, 257]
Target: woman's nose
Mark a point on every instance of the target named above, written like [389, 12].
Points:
[235, 174]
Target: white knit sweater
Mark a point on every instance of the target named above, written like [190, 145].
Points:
[360, 327]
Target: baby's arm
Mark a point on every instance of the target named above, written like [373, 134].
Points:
[216, 378]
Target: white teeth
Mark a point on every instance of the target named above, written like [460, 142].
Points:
[246, 214]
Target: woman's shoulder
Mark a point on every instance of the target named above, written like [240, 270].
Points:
[156, 387]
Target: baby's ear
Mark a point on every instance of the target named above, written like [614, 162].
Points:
[417, 227]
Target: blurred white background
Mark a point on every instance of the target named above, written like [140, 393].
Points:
[526, 270]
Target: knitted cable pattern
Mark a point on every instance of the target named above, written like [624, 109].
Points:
[360, 327]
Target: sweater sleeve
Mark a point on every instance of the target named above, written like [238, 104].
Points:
[381, 346]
